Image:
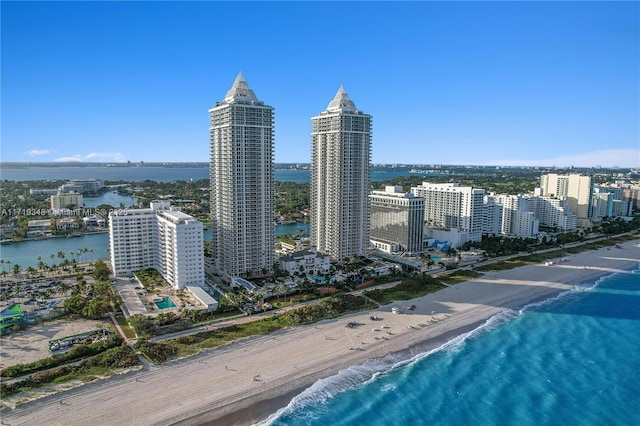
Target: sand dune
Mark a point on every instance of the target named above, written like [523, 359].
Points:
[248, 380]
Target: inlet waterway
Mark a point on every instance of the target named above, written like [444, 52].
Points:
[26, 253]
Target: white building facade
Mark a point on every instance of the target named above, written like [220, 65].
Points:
[160, 237]
[242, 186]
[397, 220]
[575, 188]
[64, 201]
[340, 169]
[305, 261]
[450, 207]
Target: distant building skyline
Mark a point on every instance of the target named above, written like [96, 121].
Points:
[340, 168]
[242, 185]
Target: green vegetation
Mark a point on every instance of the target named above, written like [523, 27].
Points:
[100, 271]
[91, 300]
[100, 364]
[458, 276]
[126, 328]
[150, 279]
[495, 246]
[408, 288]
[541, 257]
[78, 352]
[330, 307]
[291, 198]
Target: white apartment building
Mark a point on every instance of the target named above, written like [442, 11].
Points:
[448, 206]
[492, 216]
[83, 186]
[576, 188]
[609, 201]
[553, 212]
[242, 186]
[517, 218]
[340, 158]
[397, 220]
[63, 200]
[160, 237]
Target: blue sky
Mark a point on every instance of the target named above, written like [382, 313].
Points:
[497, 83]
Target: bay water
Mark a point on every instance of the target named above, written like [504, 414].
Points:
[570, 360]
[161, 174]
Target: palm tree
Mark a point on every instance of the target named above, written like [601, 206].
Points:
[30, 271]
[16, 269]
[63, 287]
[5, 262]
[61, 255]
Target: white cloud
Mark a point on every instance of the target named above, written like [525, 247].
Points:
[36, 152]
[94, 156]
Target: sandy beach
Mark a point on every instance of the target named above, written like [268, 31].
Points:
[244, 382]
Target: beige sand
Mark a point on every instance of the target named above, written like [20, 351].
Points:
[233, 381]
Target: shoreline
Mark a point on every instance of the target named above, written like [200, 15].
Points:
[251, 379]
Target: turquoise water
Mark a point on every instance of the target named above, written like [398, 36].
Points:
[321, 278]
[571, 360]
[165, 303]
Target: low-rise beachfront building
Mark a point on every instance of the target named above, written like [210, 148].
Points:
[203, 297]
[160, 237]
[237, 282]
[305, 261]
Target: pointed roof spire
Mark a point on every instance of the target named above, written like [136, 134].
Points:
[342, 102]
[241, 92]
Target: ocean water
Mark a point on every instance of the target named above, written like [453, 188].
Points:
[570, 360]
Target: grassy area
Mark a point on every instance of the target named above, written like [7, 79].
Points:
[409, 288]
[458, 276]
[126, 328]
[150, 279]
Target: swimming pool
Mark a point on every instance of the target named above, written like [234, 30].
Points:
[164, 303]
[319, 278]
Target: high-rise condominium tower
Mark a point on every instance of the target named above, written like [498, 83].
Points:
[242, 186]
[340, 157]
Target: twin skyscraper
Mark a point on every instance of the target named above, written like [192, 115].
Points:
[242, 181]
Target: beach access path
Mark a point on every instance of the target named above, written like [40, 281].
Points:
[245, 381]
